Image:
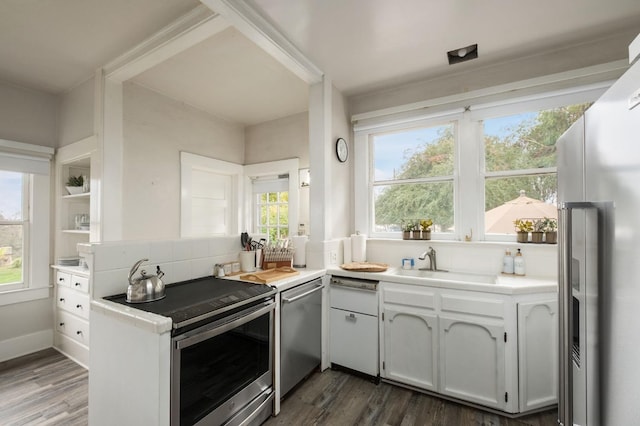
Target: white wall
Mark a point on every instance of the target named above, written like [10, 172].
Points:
[76, 115]
[280, 139]
[341, 222]
[28, 116]
[460, 78]
[156, 129]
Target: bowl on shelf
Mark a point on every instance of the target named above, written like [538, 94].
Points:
[74, 190]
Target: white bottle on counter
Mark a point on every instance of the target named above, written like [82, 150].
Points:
[518, 263]
[507, 263]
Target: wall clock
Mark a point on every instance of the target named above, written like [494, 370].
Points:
[342, 151]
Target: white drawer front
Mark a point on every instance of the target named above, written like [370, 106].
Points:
[473, 305]
[354, 341]
[73, 327]
[354, 299]
[73, 301]
[62, 278]
[80, 283]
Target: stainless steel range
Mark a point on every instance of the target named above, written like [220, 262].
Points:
[221, 350]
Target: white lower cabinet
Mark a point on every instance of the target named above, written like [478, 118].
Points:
[410, 343]
[72, 315]
[495, 350]
[538, 348]
[472, 361]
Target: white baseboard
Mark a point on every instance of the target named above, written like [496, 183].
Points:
[23, 345]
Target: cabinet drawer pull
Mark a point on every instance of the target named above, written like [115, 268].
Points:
[62, 299]
[78, 332]
[78, 284]
[61, 279]
[350, 317]
[61, 324]
[79, 306]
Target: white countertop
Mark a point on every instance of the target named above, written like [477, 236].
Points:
[505, 284]
[159, 324]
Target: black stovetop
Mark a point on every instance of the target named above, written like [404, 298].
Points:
[192, 301]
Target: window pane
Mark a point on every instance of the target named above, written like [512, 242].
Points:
[417, 153]
[527, 140]
[284, 215]
[284, 196]
[10, 254]
[394, 204]
[511, 198]
[11, 199]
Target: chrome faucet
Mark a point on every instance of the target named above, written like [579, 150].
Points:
[431, 253]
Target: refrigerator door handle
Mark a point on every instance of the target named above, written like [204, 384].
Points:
[565, 312]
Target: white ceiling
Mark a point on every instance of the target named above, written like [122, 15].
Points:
[363, 45]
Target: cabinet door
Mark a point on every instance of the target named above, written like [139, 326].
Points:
[410, 342]
[538, 354]
[472, 365]
[354, 341]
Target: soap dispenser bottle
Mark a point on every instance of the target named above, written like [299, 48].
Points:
[518, 263]
[507, 263]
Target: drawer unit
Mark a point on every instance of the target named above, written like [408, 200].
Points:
[73, 302]
[73, 327]
[63, 278]
[354, 325]
[79, 283]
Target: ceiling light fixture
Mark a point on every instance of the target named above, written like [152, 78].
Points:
[462, 54]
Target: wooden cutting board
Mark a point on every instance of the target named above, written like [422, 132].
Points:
[270, 275]
[364, 267]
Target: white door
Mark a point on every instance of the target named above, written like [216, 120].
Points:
[410, 342]
[538, 354]
[472, 365]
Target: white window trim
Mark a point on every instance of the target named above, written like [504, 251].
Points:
[289, 166]
[469, 174]
[36, 269]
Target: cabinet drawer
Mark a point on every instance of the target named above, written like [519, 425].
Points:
[354, 299]
[63, 278]
[419, 298]
[473, 305]
[80, 283]
[354, 341]
[73, 327]
[72, 301]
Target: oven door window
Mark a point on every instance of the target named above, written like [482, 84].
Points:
[222, 367]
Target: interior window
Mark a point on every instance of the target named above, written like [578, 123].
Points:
[13, 228]
[271, 206]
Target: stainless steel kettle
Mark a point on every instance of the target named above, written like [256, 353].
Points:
[146, 288]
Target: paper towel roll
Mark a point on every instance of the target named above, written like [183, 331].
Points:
[358, 247]
[346, 250]
[299, 242]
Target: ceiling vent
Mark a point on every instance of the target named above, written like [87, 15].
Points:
[462, 54]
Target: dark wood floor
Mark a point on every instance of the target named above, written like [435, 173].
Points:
[43, 388]
[335, 398]
[46, 388]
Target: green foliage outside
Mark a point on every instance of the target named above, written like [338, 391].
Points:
[273, 208]
[11, 274]
[530, 145]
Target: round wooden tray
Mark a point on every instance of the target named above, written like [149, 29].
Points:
[365, 266]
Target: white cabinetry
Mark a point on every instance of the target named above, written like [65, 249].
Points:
[538, 346]
[354, 328]
[496, 350]
[410, 330]
[72, 314]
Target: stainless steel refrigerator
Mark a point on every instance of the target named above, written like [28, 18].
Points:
[599, 268]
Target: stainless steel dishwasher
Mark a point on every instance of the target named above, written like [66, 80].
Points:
[300, 333]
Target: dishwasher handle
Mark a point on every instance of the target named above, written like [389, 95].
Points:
[300, 296]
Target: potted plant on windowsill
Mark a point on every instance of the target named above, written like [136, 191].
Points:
[408, 229]
[538, 231]
[75, 185]
[425, 229]
[523, 227]
[550, 230]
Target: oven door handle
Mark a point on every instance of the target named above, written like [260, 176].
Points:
[300, 296]
[216, 328]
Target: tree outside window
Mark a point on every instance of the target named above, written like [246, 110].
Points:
[273, 214]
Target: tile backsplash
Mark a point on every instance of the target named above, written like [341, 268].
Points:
[180, 260]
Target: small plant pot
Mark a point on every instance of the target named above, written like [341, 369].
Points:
[425, 235]
[523, 237]
[536, 237]
[406, 235]
[551, 237]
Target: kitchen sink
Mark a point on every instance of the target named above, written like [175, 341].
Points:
[448, 276]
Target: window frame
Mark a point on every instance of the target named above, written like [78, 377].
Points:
[469, 169]
[35, 161]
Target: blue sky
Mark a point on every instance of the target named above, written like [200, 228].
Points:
[389, 149]
[10, 194]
